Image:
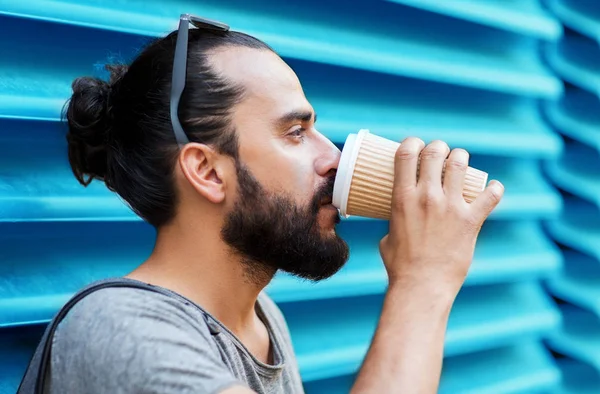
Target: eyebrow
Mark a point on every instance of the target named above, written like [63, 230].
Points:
[304, 116]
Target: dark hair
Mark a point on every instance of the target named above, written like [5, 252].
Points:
[120, 131]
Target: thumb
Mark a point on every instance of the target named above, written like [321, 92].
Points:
[488, 200]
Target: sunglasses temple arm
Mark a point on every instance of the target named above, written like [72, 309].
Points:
[178, 79]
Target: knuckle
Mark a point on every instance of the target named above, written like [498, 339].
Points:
[430, 198]
[436, 149]
[457, 165]
[406, 153]
[494, 196]
[458, 160]
[429, 154]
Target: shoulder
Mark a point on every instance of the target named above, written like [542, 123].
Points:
[131, 312]
[145, 339]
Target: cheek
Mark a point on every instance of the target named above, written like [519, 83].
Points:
[282, 167]
[300, 182]
[290, 176]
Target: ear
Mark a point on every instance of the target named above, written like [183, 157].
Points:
[201, 167]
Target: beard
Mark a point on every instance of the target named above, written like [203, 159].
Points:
[271, 232]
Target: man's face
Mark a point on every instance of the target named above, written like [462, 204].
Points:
[282, 217]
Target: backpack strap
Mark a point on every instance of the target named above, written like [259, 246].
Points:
[34, 380]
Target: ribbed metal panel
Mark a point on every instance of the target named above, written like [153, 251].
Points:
[467, 72]
[575, 58]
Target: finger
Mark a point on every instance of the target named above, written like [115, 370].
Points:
[406, 163]
[488, 200]
[432, 163]
[454, 176]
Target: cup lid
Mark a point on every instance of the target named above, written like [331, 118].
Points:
[343, 177]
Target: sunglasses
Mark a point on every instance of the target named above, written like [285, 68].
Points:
[180, 67]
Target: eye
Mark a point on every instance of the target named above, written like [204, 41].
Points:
[298, 133]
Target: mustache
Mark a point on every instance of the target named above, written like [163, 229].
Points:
[325, 191]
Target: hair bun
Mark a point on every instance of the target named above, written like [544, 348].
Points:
[89, 123]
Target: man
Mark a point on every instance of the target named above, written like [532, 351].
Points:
[238, 182]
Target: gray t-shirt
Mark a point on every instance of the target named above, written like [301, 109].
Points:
[124, 340]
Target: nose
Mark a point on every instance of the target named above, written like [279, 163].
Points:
[328, 157]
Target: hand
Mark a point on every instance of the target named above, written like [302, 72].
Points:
[433, 230]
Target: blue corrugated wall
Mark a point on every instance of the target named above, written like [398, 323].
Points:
[576, 59]
[481, 74]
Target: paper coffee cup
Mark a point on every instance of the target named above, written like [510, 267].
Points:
[365, 177]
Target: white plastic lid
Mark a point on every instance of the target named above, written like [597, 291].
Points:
[343, 178]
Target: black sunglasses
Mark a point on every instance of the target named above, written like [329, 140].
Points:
[180, 67]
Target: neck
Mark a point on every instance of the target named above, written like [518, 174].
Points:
[194, 262]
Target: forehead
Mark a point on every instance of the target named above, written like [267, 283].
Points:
[270, 85]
